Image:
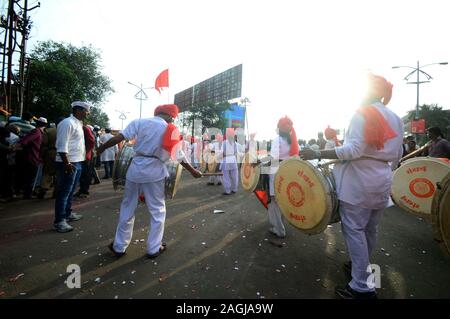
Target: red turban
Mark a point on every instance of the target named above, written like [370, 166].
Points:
[230, 132]
[170, 109]
[379, 87]
[376, 129]
[285, 125]
[330, 134]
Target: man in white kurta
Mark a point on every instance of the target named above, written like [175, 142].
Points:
[146, 175]
[229, 154]
[196, 150]
[186, 148]
[363, 182]
[109, 155]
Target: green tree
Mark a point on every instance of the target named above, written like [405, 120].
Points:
[61, 73]
[434, 115]
[97, 117]
[212, 115]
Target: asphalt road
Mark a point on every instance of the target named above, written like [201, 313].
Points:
[228, 255]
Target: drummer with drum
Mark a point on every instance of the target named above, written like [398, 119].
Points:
[283, 147]
[213, 162]
[157, 140]
[372, 148]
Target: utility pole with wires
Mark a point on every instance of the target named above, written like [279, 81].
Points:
[244, 101]
[15, 24]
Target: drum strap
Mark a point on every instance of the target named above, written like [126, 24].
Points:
[151, 156]
[371, 158]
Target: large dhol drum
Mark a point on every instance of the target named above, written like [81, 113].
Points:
[121, 164]
[212, 165]
[171, 185]
[440, 214]
[123, 161]
[414, 184]
[251, 177]
[306, 195]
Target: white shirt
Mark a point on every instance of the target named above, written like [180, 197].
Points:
[330, 145]
[70, 140]
[110, 153]
[279, 150]
[367, 182]
[148, 134]
[196, 151]
[12, 139]
[228, 153]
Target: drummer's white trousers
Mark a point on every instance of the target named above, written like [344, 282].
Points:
[359, 227]
[276, 223]
[230, 180]
[215, 179]
[154, 199]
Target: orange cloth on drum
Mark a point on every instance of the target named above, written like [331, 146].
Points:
[170, 109]
[330, 134]
[263, 197]
[170, 139]
[376, 129]
[285, 125]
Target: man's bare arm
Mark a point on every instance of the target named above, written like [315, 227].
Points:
[110, 143]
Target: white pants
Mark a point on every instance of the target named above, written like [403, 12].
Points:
[276, 223]
[215, 179]
[230, 180]
[359, 227]
[154, 199]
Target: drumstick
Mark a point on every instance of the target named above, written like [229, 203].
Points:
[212, 174]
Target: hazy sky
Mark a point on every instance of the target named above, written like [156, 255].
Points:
[303, 59]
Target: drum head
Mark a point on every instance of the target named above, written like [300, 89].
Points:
[174, 178]
[440, 213]
[304, 195]
[212, 164]
[414, 184]
[121, 164]
[249, 174]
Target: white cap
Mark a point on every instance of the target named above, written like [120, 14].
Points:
[84, 105]
[42, 120]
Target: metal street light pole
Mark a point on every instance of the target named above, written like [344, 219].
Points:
[418, 69]
[122, 116]
[140, 95]
[245, 100]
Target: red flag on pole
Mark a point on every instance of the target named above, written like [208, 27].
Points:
[162, 80]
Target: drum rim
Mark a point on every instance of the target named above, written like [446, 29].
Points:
[396, 173]
[167, 185]
[437, 211]
[326, 189]
[117, 185]
[256, 169]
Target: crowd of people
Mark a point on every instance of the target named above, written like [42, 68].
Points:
[28, 155]
[36, 154]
